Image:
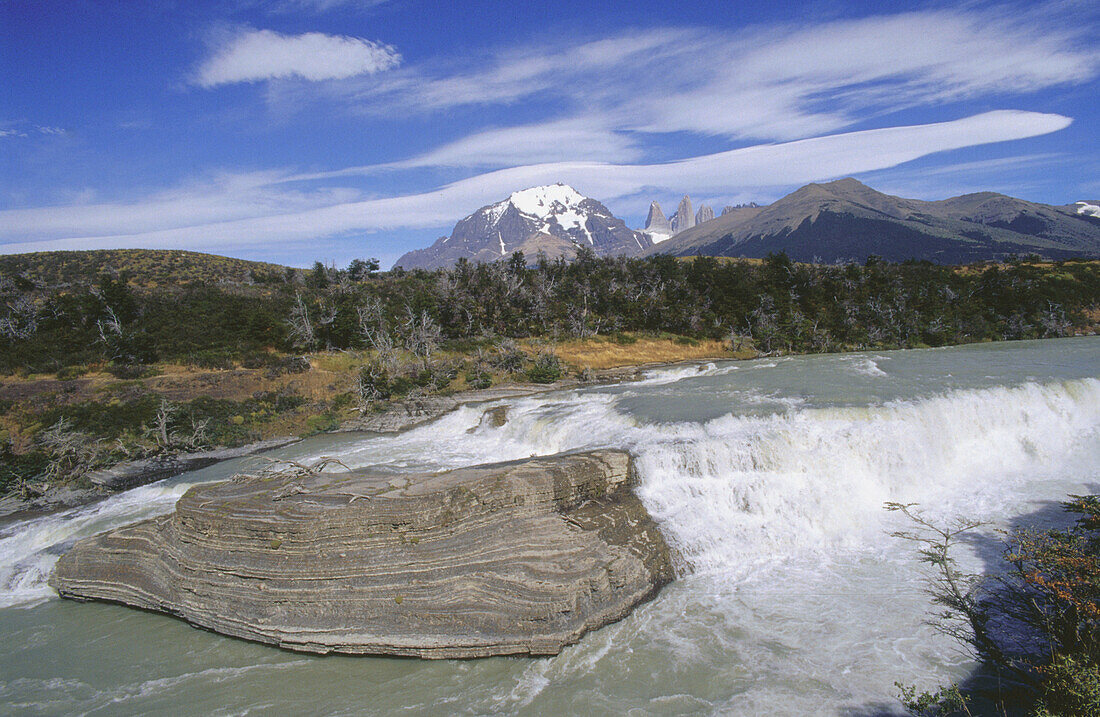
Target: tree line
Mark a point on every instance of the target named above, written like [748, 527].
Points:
[770, 305]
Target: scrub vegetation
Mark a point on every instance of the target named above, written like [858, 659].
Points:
[1034, 626]
[94, 344]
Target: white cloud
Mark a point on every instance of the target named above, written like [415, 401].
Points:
[22, 129]
[212, 218]
[287, 6]
[526, 144]
[220, 198]
[257, 55]
[773, 83]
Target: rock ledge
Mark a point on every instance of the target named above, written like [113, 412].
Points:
[510, 558]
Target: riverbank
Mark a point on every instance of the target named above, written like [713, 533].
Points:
[58, 431]
[105, 482]
[253, 410]
[318, 402]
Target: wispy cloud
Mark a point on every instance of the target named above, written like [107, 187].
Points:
[257, 55]
[526, 144]
[260, 208]
[21, 129]
[291, 6]
[774, 83]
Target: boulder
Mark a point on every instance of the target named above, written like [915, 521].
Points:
[519, 558]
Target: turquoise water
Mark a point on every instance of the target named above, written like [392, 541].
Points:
[767, 476]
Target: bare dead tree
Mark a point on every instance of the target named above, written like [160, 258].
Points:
[422, 335]
[738, 340]
[302, 332]
[110, 331]
[1053, 321]
[962, 595]
[327, 313]
[168, 437]
[372, 316]
[72, 453]
[372, 325]
[162, 424]
[21, 318]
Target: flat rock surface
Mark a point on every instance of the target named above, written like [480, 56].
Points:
[140, 472]
[409, 413]
[511, 558]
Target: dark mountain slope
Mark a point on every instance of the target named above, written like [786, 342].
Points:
[847, 220]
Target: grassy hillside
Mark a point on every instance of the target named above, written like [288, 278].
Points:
[145, 268]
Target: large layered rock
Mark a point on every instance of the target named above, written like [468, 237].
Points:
[512, 558]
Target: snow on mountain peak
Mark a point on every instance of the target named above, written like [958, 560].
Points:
[549, 204]
[540, 201]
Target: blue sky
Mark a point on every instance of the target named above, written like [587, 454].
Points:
[298, 130]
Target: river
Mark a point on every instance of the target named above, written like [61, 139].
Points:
[768, 478]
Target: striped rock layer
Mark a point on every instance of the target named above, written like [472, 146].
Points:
[511, 558]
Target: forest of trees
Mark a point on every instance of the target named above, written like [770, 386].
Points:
[411, 334]
[772, 305]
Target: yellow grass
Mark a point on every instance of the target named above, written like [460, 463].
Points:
[603, 353]
[338, 361]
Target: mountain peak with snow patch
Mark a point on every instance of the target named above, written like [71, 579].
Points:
[554, 219]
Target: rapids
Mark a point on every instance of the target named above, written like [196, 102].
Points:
[768, 477]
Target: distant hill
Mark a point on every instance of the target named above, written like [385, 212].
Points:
[147, 268]
[553, 219]
[846, 220]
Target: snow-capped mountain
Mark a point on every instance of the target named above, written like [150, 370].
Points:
[553, 219]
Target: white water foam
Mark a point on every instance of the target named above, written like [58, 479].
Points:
[29, 549]
[663, 376]
[741, 490]
[732, 494]
[865, 365]
[738, 490]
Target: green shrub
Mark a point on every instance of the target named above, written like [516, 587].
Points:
[546, 368]
[288, 364]
[508, 357]
[321, 423]
[212, 359]
[258, 359]
[479, 379]
[131, 371]
[1070, 687]
[68, 373]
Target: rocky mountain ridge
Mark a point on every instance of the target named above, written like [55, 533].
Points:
[552, 219]
[845, 220]
[659, 228]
